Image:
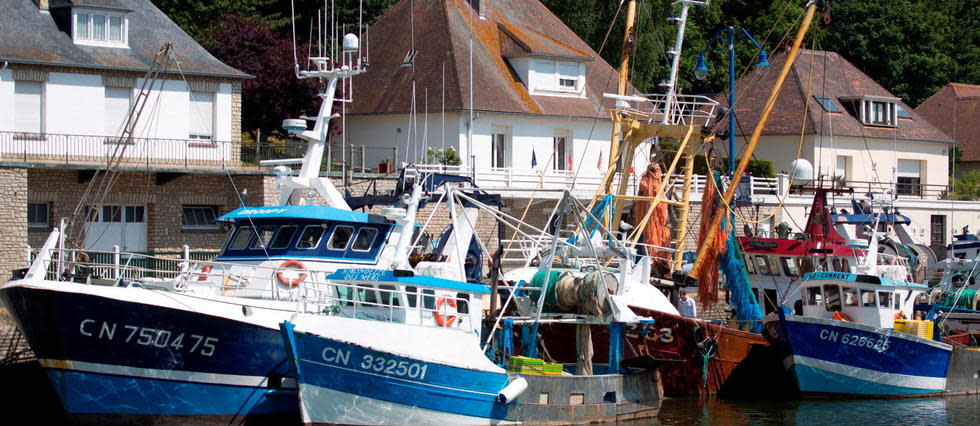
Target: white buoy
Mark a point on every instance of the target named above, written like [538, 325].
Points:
[512, 390]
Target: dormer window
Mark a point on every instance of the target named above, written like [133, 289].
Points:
[874, 111]
[556, 77]
[100, 28]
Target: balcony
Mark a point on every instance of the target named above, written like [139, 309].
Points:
[512, 181]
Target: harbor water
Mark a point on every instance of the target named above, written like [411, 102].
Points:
[952, 410]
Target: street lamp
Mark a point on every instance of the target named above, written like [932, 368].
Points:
[730, 36]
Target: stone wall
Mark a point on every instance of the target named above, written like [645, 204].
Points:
[13, 220]
[62, 190]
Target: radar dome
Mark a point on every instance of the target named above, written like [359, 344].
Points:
[350, 42]
[801, 169]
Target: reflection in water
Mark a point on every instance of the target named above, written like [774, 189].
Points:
[956, 410]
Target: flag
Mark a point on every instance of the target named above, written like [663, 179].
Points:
[598, 165]
[570, 162]
[534, 159]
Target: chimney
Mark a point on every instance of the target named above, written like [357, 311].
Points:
[42, 4]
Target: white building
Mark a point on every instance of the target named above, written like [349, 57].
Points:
[539, 117]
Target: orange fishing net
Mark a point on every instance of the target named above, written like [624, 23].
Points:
[708, 272]
[657, 231]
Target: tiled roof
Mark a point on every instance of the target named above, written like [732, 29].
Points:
[30, 36]
[955, 109]
[443, 30]
[818, 74]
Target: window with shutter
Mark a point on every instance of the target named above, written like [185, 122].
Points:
[117, 104]
[28, 106]
[201, 115]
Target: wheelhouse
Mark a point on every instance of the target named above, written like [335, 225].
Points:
[304, 232]
[864, 299]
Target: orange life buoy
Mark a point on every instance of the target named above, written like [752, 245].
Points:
[291, 264]
[449, 319]
[900, 315]
[204, 273]
[840, 316]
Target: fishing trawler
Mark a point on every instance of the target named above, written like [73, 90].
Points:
[847, 340]
[199, 340]
[395, 346]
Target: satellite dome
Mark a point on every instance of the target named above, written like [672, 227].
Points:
[350, 42]
[801, 169]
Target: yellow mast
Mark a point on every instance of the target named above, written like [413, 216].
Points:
[726, 199]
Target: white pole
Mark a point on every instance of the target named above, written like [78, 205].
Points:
[115, 262]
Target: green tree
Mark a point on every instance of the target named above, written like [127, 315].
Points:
[967, 186]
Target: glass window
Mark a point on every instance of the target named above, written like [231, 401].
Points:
[868, 298]
[832, 297]
[367, 294]
[115, 28]
[265, 236]
[789, 268]
[345, 294]
[560, 146]
[463, 303]
[199, 217]
[412, 296]
[886, 298]
[898, 301]
[82, 26]
[813, 296]
[387, 291]
[340, 238]
[762, 265]
[135, 214]
[244, 235]
[37, 215]
[98, 27]
[310, 238]
[850, 296]
[283, 237]
[112, 213]
[498, 139]
[428, 299]
[365, 239]
[827, 104]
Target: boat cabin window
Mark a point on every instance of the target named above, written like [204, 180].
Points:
[463, 303]
[762, 265]
[898, 301]
[428, 299]
[789, 268]
[832, 296]
[366, 293]
[837, 265]
[411, 294]
[283, 237]
[240, 242]
[868, 298]
[749, 266]
[265, 236]
[823, 264]
[813, 296]
[365, 239]
[850, 296]
[310, 238]
[340, 238]
[886, 299]
[388, 295]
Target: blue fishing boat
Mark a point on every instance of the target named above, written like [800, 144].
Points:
[848, 340]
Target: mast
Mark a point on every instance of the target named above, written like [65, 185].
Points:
[624, 69]
[722, 209]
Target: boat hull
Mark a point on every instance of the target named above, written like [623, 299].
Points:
[109, 358]
[828, 357]
[740, 362]
[344, 383]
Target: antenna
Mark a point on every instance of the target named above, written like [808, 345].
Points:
[292, 17]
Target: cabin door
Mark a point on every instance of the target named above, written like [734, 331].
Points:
[117, 225]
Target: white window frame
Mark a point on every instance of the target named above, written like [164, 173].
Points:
[500, 148]
[879, 112]
[553, 82]
[194, 116]
[41, 111]
[560, 163]
[89, 14]
[908, 183]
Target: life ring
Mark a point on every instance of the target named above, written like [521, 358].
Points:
[291, 264]
[449, 319]
[840, 316]
[900, 315]
[204, 273]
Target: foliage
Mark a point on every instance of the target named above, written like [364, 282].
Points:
[255, 48]
[448, 157]
[967, 186]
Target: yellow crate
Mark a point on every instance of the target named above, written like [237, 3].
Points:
[919, 328]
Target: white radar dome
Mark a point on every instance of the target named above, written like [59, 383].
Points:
[801, 169]
[350, 42]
